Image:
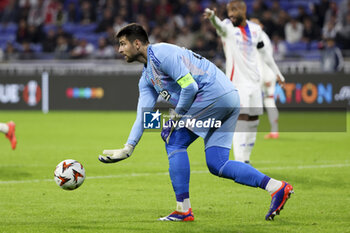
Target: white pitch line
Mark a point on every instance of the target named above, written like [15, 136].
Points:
[166, 173]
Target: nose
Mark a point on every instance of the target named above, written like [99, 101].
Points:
[120, 50]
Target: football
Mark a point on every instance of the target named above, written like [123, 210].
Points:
[69, 174]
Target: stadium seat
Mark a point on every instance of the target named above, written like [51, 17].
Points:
[69, 27]
[45, 56]
[37, 48]
[311, 55]
[10, 28]
[7, 37]
[284, 5]
[88, 28]
[304, 4]
[293, 12]
[314, 45]
[89, 37]
[78, 28]
[79, 35]
[298, 46]
[249, 7]
[93, 39]
[49, 27]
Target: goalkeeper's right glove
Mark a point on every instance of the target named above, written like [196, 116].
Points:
[113, 156]
[168, 128]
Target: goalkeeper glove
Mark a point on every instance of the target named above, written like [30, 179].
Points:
[113, 156]
[168, 128]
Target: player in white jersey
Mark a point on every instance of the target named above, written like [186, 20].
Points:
[268, 84]
[242, 41]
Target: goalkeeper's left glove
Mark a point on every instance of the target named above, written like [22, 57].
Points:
[113, 156]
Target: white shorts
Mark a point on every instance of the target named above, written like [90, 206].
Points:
[251, 100]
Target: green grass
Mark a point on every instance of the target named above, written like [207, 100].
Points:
[138, 190]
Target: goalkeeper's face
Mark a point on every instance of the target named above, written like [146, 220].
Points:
[128, 49]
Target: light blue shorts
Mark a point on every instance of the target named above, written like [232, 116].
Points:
[224, 109]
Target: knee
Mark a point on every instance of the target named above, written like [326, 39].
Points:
[216, 158]
[173, 149]
[213, 167]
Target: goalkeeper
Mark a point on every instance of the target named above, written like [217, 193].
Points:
[197, 88]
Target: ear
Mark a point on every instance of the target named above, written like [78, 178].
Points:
[137, 44]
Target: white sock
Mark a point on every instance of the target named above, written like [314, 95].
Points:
[239, 140]
[250, 139]
[183, 206]
[238, 145]
[273, 185]
[4, 128]
[250, 142]
[272, 113]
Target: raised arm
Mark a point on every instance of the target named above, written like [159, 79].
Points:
[216, 22]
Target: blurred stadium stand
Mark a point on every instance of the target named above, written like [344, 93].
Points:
[165, 20]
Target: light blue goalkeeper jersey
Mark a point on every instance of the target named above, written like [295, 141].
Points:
[167, 63]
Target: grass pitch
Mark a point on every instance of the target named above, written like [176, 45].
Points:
[129, 196]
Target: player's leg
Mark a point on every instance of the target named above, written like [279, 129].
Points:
[272, 111]
[218, 162]
[179, 171]
[252, 128]
[247, 125]
[239, 139]
[9, 130]
[242, 173]
[4, 128]
[217, 149]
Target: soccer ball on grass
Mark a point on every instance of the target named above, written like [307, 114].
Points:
[69, 174]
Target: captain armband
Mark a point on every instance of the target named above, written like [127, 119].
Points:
[185, 80]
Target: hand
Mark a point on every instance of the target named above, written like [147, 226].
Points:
[280, 82]
[113, 156]
[208, 13]
[168, 128]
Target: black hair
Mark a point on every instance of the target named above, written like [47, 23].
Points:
[132, 32]
[241, 2]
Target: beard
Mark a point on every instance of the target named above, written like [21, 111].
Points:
[130, 59]
[238, 21]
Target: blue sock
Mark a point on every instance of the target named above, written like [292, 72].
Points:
[179, 165]
[219, 164]
[264, 182]
[179, 170]
[182, 197]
